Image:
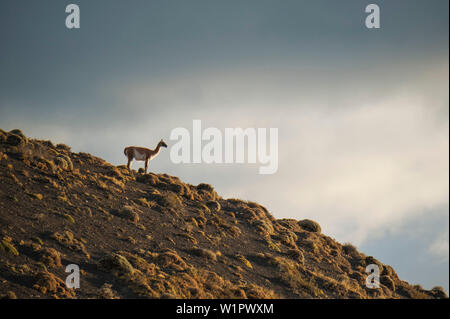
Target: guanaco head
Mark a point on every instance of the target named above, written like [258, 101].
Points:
[162, 143]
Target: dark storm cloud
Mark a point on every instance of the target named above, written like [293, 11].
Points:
[46, 66]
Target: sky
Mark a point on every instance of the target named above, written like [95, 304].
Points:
[363, 115]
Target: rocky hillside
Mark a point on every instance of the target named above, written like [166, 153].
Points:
[153, 236]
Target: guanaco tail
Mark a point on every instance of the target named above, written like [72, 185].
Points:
[142, 153]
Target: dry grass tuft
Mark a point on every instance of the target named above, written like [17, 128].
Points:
[48, 283]
[213, 205]
[50, 257]
[7, 246]
[68, 240]
[243, 260]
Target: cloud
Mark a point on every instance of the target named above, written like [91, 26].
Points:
[360, 165]
[361, 172]
[361, 154]
[367, 168]
[440, 247]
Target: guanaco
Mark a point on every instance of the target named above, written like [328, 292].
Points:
[142, 153]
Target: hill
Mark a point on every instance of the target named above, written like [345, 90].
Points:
[153, 236]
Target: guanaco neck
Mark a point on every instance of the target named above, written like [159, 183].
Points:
[158, 148]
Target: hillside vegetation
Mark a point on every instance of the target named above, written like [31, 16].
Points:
[153, 236]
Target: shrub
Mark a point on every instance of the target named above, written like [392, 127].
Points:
[16, 138]
[117, 264]
[38, 240]
[296, 255]
[63, 147]
[288, 238]
[291, 224]
[206, 192]
[17, 132]
[214, 206]
[9, 295]
[439, 292]
[244, 261]
[106, 292]
[69, 218]
[144, 202]
[50, 145]
[263, 226]
[233, 231]
[6, 245]
[311, 245]
[206, 253]
[38, 196]
[64, 162]
[256, 292]
[350, 249]
[273, 246]
[2, 137]
[172, 200]
[310, 225]
[48, 283]
[150, 179]
[290, 274]
[127, 212]
[67, 239]
[388, 282]
[170, 259]
[205, 187]
[50, 257]
[371, 260]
